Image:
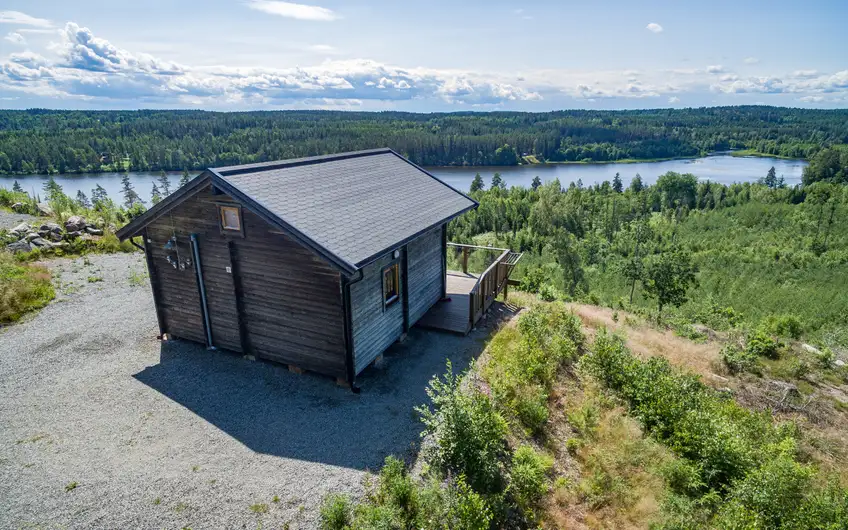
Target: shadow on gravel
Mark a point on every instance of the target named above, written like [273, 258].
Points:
[308, 417]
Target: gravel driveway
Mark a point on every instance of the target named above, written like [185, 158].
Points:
[103, 426]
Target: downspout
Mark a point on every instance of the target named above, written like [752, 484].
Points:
[195, 250]
[348, 329]
[136, 245]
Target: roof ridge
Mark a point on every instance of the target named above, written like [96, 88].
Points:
[295, 162]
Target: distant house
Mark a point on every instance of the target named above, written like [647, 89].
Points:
[320, 263]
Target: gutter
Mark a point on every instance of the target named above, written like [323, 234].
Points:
[348, 330]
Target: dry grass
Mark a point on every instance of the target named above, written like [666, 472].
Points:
[645, 341]
[611, 469]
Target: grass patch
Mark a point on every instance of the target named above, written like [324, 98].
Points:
[259, 508]
[23, 288]
[95, 279]
[71, 486]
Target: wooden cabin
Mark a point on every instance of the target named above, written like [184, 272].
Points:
[320, 263]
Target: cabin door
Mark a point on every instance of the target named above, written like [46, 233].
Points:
[214, 270]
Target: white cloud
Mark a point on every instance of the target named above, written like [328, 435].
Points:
[16, 38]
[751, 60]
[86, 67]
[22, 19]
[654, 27]
[291, 10]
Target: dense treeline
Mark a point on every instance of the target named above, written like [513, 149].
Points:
[48, 141]
[764, 250]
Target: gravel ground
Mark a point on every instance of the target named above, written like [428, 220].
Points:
[103, 426]
[10, 220]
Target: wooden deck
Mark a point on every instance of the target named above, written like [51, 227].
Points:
[452, 315]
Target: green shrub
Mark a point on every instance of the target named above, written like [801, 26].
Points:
[528, 478]
[738, 360]
[826, 359]
[336, 512]
[761, 344]
[547, 293]
[783, 326]
[469, 434]
[523, 362]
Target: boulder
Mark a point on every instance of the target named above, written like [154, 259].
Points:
[54, 237]
[811, 349]
[21, 229]
[18, 207]
[839, 362]
[44, 209]
[19, 246]
[50, 227]
[40, 242]
[94, 231]
[73, 235]
[31, 235]
[75, 223]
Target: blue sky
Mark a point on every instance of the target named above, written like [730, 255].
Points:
[421, 55]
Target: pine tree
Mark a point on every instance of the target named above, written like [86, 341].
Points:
[185, 178]
[52, 189]
[130, 196]
[164, 184]
[477, 184]
[155, 195]
[537, 182]
[498, 182]
[771, 178]
[616, 184]
[82, 200]
[99, 195]
[17, 187]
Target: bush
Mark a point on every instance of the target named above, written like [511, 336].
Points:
[547, 293]
[738, 360]
[523, 362]
[783, 326]
[23, 288]
[336, 512]
[469, 434]
[529, 478]
[760, 344]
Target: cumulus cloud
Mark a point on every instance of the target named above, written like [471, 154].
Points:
[84, 66]
[81, 49]
[22, 19]
[654, 27]
[291, 10]
[15, 38]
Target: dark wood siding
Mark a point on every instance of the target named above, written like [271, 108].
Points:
[291, 301]
[425, 268]
[374, 328]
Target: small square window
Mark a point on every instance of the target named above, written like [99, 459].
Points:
[391, 285]
[230, 218]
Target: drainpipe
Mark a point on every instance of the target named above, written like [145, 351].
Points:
[348, 329]
[136, 245]
[202, 288]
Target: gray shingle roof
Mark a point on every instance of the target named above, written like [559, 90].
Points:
[354, 205]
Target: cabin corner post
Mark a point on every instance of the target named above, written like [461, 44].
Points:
[350, 365]
[154, 284]
[444, 261]
[404, 287]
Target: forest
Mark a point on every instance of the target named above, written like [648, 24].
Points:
[59, 141]
[611, 245]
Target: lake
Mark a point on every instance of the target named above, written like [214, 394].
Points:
[718, 168]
